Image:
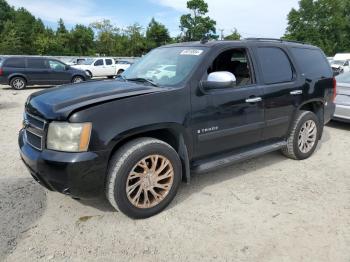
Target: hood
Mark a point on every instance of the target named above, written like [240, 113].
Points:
[80, 66]
[59, 102]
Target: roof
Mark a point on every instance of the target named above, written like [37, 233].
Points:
[247, 41]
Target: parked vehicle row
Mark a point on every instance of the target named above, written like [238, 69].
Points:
[18, 72]
[191, 108]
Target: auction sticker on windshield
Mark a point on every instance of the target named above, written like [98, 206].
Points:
[191, 52]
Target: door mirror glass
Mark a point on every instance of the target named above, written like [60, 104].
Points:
[219, 80]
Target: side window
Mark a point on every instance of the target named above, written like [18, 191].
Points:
[109, 62]
[56, 65]
[14, 62]
[312, 62]
[275, 65]
[99, 62]
[37, 63]
[235, 61]
[346, 63]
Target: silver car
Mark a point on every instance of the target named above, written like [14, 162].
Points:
[342, 100]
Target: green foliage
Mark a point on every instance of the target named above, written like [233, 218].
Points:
[234, 35]
[196, 25]
[325, 23]
[157, 34]
[22, 33]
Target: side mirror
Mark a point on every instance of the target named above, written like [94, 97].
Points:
[218, 80]
[67, 67]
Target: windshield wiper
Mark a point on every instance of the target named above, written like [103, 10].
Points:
[121, 76]
[140, 79]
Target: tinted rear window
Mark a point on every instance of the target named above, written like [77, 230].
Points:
[37, 63]
[312, 62]
[109, 62]
[15, 62]
[275, 65]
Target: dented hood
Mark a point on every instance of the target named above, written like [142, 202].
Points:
[59, 102]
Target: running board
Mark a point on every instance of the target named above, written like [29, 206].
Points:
[229, 159]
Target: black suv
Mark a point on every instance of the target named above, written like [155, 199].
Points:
[18, 72]
[182, 109]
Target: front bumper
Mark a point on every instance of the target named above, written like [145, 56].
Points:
[342, 113]
[80, 175]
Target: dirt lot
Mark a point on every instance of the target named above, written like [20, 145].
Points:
[266, 209]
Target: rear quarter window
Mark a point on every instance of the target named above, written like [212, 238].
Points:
[275, 65]
[312, 62]
[15, 62]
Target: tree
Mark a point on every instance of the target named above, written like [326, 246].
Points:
[137, 41]
[81, 40]
[6, 13]
[105, 41]
[196, 25]
[157, 34]
[234, 35]
[324, 23]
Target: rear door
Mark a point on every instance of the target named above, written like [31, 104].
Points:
[38, 71]
[110, 67]
[282, 90]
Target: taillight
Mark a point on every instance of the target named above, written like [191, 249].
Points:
[334, 89]
[1, 71]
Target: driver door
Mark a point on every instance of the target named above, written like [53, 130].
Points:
[58, 72]
[230, 118]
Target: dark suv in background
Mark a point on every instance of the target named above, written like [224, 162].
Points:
[18, 72]
[135, 138]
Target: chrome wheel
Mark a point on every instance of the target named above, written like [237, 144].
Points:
[150, 181]
[18, 83]
[307, 136]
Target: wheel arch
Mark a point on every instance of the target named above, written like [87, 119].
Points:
[10, 77]
[172, 134]
[316, 106]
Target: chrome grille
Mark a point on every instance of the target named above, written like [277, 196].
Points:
[34, 131]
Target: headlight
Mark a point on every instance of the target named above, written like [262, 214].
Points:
[68, 137]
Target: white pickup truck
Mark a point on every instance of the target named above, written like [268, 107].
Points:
[102, 67]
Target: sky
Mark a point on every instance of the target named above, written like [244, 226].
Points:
[252, 18]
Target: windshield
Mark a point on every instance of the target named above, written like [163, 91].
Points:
[166, 66]
[339, 62]
[88, 61]
[343, 78]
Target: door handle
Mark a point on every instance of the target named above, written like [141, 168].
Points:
[296, 92]
[253, 100]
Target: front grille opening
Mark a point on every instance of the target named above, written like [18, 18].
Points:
[34, 140]
[35, 122]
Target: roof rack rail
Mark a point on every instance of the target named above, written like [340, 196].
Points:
[273, 39]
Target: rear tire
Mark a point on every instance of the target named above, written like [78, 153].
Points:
[18, 83]
[304, 137]
[143, 177]
[110, 77]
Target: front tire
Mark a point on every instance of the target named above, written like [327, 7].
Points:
[18, 83]
[77, 79]
[143, 177]
[303, 139]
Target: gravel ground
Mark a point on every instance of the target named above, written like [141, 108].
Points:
[267, 209]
